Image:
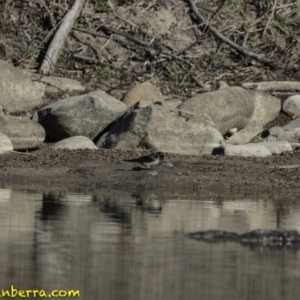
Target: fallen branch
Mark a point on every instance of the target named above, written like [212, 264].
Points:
[271, 86]
[237, 47]
[60, 37]
[138, 43]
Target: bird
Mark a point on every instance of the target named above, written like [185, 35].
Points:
[149, 160]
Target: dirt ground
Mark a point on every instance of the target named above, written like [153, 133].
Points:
[88, 170]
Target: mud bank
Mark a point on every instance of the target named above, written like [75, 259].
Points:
[104, 169]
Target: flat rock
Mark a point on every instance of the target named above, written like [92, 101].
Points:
[280, 134]
[75, 142]
[147, 125]
[143, 91]
[246, 150]
[85, 115]
[5, 144]
[56, 84]
[173, 103]
[293, 124]
[276, 131]
[22, 132]
[273, 85]
[208, 149]
[275, 147]
[18, 92]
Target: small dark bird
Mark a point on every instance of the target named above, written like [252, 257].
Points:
[149, 160]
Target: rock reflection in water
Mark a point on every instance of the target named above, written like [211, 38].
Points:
[255, 239]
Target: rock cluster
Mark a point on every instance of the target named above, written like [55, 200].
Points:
[220, 122]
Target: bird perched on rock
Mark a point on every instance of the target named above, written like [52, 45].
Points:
[149, 160]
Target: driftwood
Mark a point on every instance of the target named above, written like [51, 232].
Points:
[240, 49]
[283, 86]
[60, 37]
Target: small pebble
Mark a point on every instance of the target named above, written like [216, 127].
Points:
[168, 164]
[153, 173]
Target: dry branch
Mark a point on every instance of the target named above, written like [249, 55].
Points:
[60, 37]
[138, 43]
[240, 49]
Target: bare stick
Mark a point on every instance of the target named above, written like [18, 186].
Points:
[52, 21]
[60, 37]
[239, 48]
[271, 17]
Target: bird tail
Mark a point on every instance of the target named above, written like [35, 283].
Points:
[132, 160]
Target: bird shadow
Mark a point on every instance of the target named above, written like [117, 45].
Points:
[135, 169]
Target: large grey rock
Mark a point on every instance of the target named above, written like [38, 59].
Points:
[18, 92]
[5, 144]
[23, 133]
[75, 142]
[223, 109]
[85, 115]
[148, 125]
[234, 107]
[291, 106]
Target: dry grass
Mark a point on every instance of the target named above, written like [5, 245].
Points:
[159, 50]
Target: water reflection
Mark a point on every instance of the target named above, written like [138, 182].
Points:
[133, 246]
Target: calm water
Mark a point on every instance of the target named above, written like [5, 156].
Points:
[123, 246]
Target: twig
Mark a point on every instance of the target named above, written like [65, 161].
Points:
[86, 58]
[188, 47]
[49, 34]
[214, 14]
[239, 48]
[211, 63]
[200, 83]
[148, 7]
[22, 153]
[269, 20]
[52, 21]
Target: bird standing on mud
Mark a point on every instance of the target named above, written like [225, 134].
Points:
[149, 160]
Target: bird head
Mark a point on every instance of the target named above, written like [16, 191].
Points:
[160, 155]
